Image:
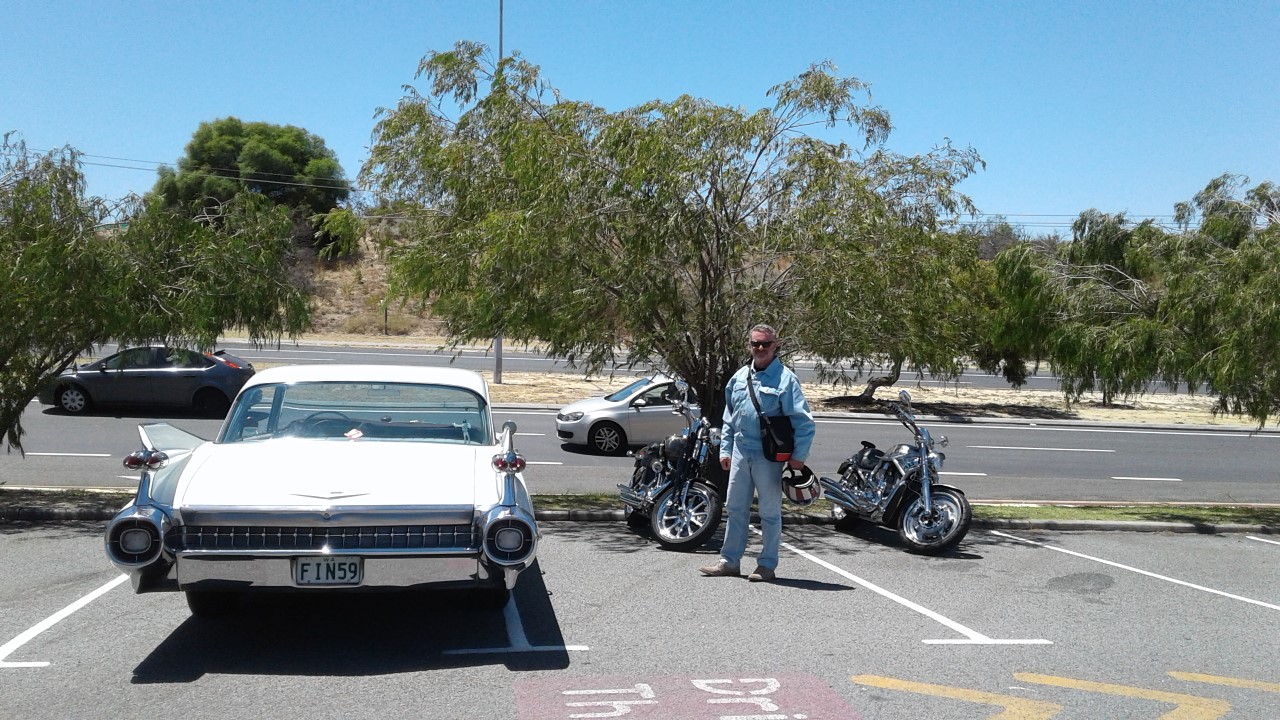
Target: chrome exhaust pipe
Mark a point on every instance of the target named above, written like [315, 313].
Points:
[631, 497]
[834, 491]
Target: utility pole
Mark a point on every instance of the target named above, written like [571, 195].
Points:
[497, 341]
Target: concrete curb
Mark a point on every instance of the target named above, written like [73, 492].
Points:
[44, 513]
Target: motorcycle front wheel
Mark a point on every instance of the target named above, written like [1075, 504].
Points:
[686, 523]
[931, 534]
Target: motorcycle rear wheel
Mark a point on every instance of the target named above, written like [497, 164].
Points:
[633, 517]
[933, 535]
[687, 525]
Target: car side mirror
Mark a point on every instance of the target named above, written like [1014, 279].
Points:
[640, 402]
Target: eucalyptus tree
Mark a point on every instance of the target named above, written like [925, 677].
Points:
[665, 230]
[1123, 305]
[76, 271]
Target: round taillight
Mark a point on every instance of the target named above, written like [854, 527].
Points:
[149, 459]
[509, 462]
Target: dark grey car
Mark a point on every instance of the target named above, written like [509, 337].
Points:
[152, 376]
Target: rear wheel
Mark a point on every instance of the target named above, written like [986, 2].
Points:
[635, 519]
[845, 521]
[939, 531]
[210, 604]
[608, 438]
[212, 402]
[686, 520]
[73, 399]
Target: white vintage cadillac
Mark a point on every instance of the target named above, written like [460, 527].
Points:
[331, 478]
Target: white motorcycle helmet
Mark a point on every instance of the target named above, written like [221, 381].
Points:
[801, 486]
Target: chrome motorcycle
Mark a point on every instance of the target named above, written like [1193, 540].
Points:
[900, 490]
[671, 489]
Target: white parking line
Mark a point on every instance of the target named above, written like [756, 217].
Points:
[1012, 447]
[1125, 477]
[51, 454]
[517, 641]
[54, 619]
[1273, 542]
[944, 472]
[973, 637]
[1175, 581]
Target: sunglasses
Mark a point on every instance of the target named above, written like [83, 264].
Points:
[762, 343]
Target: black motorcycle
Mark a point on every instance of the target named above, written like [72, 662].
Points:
[900, 490]
[671, 488]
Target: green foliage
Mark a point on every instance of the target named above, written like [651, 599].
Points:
[667, 229]
[1123, 305]
[70, 280]
[343, 228]
[286, 164]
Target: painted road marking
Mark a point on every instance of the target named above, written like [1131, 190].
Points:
[1124, 477]
[1228, 681]
[963, 474]
[53, 454]
[1273, 542]
[542, 462]
[1140, 572]
[54, 619]
[1189, 707]
[517, 641]
[729, 696]
[972, 637]
[1049, 449]
[1015, 708]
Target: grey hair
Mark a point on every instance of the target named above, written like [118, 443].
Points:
[763, 328]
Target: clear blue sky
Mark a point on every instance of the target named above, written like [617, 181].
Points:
[1120, 106]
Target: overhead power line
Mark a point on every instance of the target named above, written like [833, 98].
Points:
[1036, 220]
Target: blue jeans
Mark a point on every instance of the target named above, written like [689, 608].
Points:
[751, 474]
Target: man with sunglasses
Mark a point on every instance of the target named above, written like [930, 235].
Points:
[778, 393]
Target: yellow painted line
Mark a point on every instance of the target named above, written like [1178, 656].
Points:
[1228, 681]
[1189, 707]
[1013, 708]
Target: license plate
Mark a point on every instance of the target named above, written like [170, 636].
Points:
[328, 570]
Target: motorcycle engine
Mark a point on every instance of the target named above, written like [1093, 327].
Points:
[674, 446]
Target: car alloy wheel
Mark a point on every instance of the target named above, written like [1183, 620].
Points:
[608, 438]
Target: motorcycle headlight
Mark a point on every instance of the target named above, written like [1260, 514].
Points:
[935, 461]
[570, 417]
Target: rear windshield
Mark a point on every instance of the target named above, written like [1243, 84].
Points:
[347, 411]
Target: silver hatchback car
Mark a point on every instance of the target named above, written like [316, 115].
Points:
[637, 414]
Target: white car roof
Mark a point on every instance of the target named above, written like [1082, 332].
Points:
[418, 374]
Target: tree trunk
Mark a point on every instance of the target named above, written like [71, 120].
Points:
[868, 394]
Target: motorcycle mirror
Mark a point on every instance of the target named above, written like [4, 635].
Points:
[904, 396]
[682, 386]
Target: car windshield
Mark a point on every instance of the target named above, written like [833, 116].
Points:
[629, 390]
[348, 411]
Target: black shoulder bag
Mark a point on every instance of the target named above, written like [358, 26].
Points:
[777, 437]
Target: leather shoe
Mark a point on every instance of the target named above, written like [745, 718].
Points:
[721, 569]
[761, 574]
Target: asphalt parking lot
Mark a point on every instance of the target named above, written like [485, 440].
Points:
[1032, 624]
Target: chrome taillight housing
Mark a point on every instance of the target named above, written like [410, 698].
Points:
[136, 539]
[509, 539]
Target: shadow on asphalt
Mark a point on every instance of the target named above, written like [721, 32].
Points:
[354, 635]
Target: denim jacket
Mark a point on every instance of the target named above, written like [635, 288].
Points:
[779, 393]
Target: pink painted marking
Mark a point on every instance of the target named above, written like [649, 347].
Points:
[712, 696]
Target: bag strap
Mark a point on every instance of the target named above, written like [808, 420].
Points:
[751, 391]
